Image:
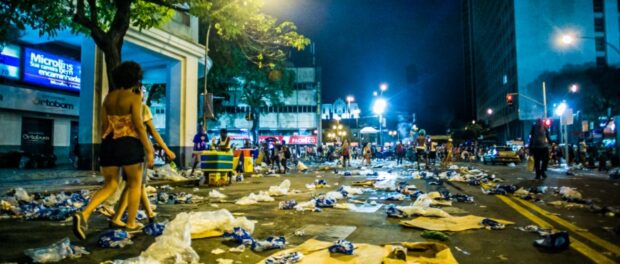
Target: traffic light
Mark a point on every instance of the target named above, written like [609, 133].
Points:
[547, 122]
[509, 99]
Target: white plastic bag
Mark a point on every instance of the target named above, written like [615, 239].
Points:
[217, 195]
[174, 245]
[220, 220]
[281, 189]
[22, 195]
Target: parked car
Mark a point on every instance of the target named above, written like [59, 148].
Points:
[502, 154]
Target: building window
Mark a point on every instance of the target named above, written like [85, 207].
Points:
[601, 61]
[599, 24]
[600, 43]
[598, 5]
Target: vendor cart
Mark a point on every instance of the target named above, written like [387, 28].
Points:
[217, 166]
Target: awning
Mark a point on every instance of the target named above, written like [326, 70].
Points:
[369, 130]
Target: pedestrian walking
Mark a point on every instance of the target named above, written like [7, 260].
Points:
[285, 156]
[346, 154]
[448, 159]
[116, 221]
[539, 148]
[400, 153]
[124, 146]
[367, 153]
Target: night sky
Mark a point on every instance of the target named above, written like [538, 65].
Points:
[362, 43]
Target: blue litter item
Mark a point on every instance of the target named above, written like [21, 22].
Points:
[321, 182]
[324, 202]
[141, 215]
[240, 236]
[415, 195]
[492, 224]
[154, 229]
[344, 193]
[287, 205]
[347, 173]
[474, 182]
[392, 211]
[269, 243]
[114, 238]
[343, 247]
[286, 258]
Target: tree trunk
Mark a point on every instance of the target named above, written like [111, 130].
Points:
[205, 91]
[255, 124]
[112, 56]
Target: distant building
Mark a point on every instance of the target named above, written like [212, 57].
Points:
[297, 121]
[510, 43]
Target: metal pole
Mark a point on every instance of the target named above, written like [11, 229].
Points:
[380, 131]
[544, 91]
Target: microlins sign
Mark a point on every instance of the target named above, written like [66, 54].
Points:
[50, 70]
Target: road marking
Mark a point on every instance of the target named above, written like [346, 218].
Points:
[580, 231]
[577, 245]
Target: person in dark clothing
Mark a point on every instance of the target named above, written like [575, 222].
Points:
[539, 148]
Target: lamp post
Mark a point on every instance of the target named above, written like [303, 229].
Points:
[379, 108]
[356, 114]
[560, 111]
[571, 39]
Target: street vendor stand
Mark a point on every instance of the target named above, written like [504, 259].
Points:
[217, 166]
[245, 155]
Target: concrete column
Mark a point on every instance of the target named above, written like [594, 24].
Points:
[94, 86]
[182, 108]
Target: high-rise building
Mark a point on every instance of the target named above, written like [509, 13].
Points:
[510, 44]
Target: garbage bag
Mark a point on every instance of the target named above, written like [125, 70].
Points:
[154, 229]
[166, 172]
[55, 252]
[217, 195]
[216, 223]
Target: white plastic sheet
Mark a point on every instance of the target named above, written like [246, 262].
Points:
[281, 189]
[255, 198]
[220, 220]
[217, 195]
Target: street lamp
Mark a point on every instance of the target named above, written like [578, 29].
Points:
[574, 88]
[569, 38]
[379, 108]
[383, 87]
[489, 111]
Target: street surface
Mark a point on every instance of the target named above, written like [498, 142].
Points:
[592, 240]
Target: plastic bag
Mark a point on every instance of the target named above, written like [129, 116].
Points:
[55, 252]
[217, 222]
[255, 198]
[285, 258]
[217, 195]
[281, 189]
[154, 229]
[342, 247]
[530, 164]
[166, 172]
[22, 195]
[174, 245]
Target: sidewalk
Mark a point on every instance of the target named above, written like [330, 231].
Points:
[56, 180]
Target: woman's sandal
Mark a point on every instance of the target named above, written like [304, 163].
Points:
[136, 229]
[79, 226]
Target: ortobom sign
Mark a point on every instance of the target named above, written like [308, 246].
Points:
[37, 101]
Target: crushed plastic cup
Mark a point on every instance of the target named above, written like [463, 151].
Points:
[285, 258]
[114, 239]
[154, 229]
[392, 211]
[492, 224]
[272, 242]
[342, 247]
[287, 205]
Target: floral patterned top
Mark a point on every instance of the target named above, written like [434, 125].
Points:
[120, 126]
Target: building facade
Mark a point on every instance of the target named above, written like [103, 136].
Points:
[510, 44]
[51, 89]
[296, 121]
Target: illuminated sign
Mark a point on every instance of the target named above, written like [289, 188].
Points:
[17, 98]
[9, 61]
[51, 70]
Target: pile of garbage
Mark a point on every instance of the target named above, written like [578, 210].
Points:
[243, 237]
[169, 172]
[55, 252]
[55, 207]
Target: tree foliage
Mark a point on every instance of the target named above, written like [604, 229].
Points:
[598, 90]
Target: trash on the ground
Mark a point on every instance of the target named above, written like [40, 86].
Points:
[154, 229]
[217, 195]
[407, 211]
[324, 202]
[216, 223]
[22, 195]
[285, 258]
[320, 183]
[462, 251]
[310, 186]
[239, 249]
[419, 252]
[386, 184]
[224, 261]
[301, 167]
[350, 190]
[492, 224]
[565, 204]
[150, 189]
[166, 172]
[287, 205]
[55, 207]
[437, 235]
[396, 197]
[217, 251]
[243, 237]
[114, 239]
[302, 233]
[554, 241]
[455, 223]
[343, 247]
[55, 252]
[306, 206]
[570, 193]
[262, 196]
[281, 189]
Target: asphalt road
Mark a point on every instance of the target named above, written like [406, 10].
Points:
[591, 242]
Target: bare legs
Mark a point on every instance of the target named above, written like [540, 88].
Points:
[110, 183]
[144, 199]
[133, 189]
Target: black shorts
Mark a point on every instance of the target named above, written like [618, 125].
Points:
[119, 152]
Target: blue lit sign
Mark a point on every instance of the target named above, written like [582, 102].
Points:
[9, 61]
[51, 70]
